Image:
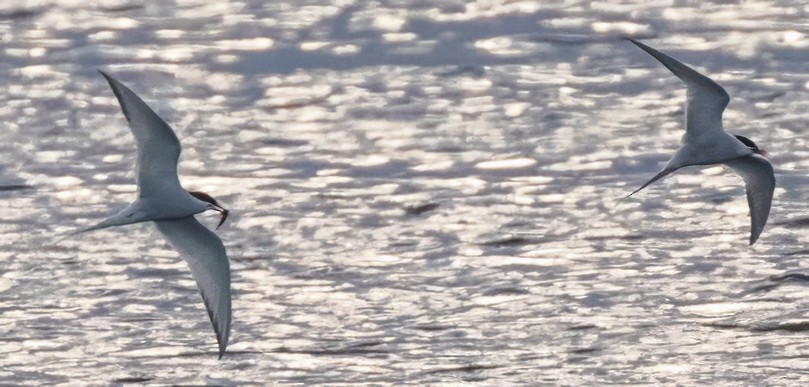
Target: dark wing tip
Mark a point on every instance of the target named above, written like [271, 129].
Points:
[756, 229]
[221, 339]
[760, 189]
[655, 53]
[108, 77]
[116, 89]
[755, 232]
[637, 43]
[222, 335]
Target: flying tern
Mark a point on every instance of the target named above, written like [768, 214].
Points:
[705, 142]
[163, 201]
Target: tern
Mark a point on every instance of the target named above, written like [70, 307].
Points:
[163, 201]
[705, 142]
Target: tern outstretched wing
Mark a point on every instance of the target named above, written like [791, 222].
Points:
[205, 254]
[759, 182]
[706, 100]
[158, 146]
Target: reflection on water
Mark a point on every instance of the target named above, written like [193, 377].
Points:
[423, 192]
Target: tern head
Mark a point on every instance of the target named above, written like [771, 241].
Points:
[212, 205]
[750, 144]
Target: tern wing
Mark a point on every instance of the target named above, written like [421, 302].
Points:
[205, 254]
[759, 182]
[706, 100]
[158, 146]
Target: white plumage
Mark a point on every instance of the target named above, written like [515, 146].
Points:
[162, 200]
[705, 142]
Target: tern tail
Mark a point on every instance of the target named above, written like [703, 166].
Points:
[657, 177]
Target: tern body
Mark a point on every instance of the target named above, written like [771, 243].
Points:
[705, 142]
[163, 200]
[149, 209]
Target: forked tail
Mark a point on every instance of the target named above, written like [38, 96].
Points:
[657, 177]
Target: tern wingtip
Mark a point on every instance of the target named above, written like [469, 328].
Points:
[637, 43]
[114, 83]
[222, 342]
[754, 237]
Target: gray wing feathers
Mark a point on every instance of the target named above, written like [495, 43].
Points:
[706, 99]
[158, 146]
[759, 182]
[205, 254]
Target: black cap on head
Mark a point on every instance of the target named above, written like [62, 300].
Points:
[209, 199]
[748, 142]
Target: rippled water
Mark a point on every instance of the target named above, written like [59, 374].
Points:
[422, 192]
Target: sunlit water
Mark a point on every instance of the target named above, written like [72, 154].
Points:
[422, 192]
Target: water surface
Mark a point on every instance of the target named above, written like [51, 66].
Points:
[423, 192]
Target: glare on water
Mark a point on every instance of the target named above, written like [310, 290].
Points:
[421, 193]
